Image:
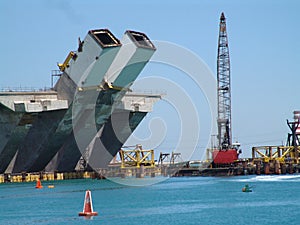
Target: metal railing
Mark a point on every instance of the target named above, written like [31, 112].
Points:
[24, 89]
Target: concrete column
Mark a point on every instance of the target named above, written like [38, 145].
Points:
[142, 171]
[41, 175]
[283, 168]
[267, 168]
[277, 167]
[245, 167]
[122, 173]
[164, 171]
[23, 176]
[6, 178]
[137, 173]
[258, 168]
[291, 170]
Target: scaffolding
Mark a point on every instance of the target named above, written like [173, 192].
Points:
[283, 154]
[137, 157]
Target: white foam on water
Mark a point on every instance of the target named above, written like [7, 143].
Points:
[266, 178]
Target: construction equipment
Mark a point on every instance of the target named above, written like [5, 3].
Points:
[281, 158]
[272, 153]
[226, 153]
[224, 89]
[137, 157]
[65, 64]
[293, 138]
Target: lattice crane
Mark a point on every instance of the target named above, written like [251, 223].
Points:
[227, 152]
[224, 89]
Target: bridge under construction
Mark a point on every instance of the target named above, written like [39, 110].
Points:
[77, 128]
[86, 116]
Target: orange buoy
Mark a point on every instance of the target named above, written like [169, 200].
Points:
[38, 184]
[88, 205]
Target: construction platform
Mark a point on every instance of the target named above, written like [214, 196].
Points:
[140, 163]
[33, 177]
[142, 172]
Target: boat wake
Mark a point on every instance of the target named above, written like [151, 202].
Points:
[269, 178]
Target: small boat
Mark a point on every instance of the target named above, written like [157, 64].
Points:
[246, 188]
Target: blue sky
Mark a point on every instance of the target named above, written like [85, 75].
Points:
[263, 42]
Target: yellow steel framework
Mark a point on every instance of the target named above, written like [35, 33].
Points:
[280, 153]
[65, 64]
[136, 158]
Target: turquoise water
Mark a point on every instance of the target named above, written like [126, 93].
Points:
[185, 200]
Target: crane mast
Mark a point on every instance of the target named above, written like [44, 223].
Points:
[224, 89]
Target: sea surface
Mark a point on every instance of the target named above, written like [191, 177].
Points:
[182, 200]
